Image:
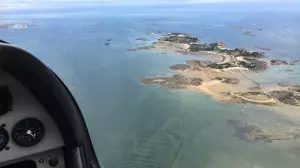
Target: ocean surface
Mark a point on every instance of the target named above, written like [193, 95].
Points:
[141, 126]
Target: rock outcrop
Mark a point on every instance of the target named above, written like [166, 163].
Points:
[278, 62]
[287, 97]
[228, 80]
[173, 82]
[180, 67]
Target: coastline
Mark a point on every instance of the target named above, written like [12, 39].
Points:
[228, 80]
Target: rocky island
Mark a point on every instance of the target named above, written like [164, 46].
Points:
[14, 26]
[245, 28]
[228, 80]
[249, 33]
[262, 48]
[278, 62]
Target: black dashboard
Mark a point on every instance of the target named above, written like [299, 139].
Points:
[41, 124]
[27, 131]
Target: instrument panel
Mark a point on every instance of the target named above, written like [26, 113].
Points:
[26, 128]
[28, 132]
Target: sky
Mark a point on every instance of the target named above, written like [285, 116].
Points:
[40, 4]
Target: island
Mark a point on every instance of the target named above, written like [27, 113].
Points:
[14, 26]
[278, 62]
[262, 48]
[228, 80]
[245, 28]
[249, 33]
[142, 39]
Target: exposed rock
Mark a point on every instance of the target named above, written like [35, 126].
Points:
[295, 89]
[132, 49]
[247, 64]
[219, 78]
[228, 80]
[140, 48]
[142, 39]
[286, 97]
[261, 48]
[196, 81]
[180, 67]
[197, 65]
[253, 65]
[249, 33]
[245, 28]
[278, 62]
[258, 29]
[173, 82]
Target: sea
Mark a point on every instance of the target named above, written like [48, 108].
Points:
[142, 126]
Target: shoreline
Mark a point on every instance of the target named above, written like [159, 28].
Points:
[228, 81]
[219, 79]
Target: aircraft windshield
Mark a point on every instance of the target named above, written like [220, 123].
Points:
[174, 84]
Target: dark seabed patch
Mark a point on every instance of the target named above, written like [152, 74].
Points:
[252, 133]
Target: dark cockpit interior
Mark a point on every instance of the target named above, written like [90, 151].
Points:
[41, 124]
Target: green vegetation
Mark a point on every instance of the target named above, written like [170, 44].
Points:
[181, 67]
[173, 82]
[203, 47]
[181, 38]
[220, 66]
[217, 47]
[242, 52]
[247, 64]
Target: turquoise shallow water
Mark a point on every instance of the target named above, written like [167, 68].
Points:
[134, 125]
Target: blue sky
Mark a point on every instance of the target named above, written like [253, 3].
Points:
[28, 4]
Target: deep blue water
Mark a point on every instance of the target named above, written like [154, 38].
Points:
[134, 125]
